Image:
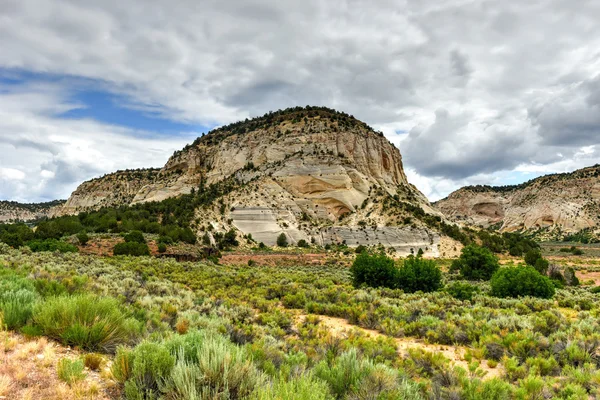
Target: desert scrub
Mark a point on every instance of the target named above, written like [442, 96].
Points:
[195, 366]
[87, 321]
[304, 387]
[17, 299]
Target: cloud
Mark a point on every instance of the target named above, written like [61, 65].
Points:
[475, 87]
[46, 157]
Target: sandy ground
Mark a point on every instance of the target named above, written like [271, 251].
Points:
[28, 372]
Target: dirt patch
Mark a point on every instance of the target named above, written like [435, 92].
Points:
[449, 248]
[28, 371]
[586, 276]
[274, 260]
[339, 327]
[103, 247]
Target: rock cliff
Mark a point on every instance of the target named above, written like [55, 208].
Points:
[555, 204]
[310, 173]
[11, 211]
[111, 190]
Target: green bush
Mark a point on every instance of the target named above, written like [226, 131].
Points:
[51, 245]
[17, 299]
[476, 263]
[131, 249]
[70, 371]
[462, 290]
[532, 256]
[521, 281]
[282, 240]
[90, 322]
[541, 266]
[151, 365]
[418, 274]
[375, 270]
[162, 247]
[134, 237]
[83, 238]
[302, 243]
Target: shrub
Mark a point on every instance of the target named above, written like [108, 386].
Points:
[304, 387]
[532, 256]
[541, 266]
[521, 281]
[476, 263]
[151, 365]
[577, 252]
[83, 238]
[17, 299]
[282, 240]
[134, 237]
[360, 249]
[375, 270]
[122, 364]
[418, 274]
[51, 245]
[70, 371]
[462, 290]
[90, 322]
[162, 247]
[344, 375]
[131, 249]
[302, 243]
[227, 369]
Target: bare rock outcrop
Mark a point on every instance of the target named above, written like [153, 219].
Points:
[559, 203]
[310, 173]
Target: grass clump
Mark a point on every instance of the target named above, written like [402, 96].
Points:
[70, 371]
[87, 321]
[92, 361]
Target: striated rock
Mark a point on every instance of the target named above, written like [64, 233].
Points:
[111, 190]
[313, 174]
[565, 203]
[11, 211]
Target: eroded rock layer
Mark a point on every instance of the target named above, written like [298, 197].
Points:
[560, 203]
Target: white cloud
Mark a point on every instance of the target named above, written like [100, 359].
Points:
[480, 86]
[46, 157]
[11, 174]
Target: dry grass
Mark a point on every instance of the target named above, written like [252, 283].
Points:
[28, 371]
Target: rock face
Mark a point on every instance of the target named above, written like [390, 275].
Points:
[559, 203]
[110, 190]
[312, 174]
[11, 211]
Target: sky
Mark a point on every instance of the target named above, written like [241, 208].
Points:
[471, 91]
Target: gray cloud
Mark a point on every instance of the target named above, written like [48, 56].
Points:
[480, 86]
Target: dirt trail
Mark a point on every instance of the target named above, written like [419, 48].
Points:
[339, 326]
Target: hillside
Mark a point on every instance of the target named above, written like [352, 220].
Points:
[110, 190]
[310, 173]
[552, 205]
[11, 211]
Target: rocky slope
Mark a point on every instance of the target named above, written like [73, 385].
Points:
[311, 173]
[11, 211]
[109, 190]
[554, 204]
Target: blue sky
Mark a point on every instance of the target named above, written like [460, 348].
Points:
[471, 92]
